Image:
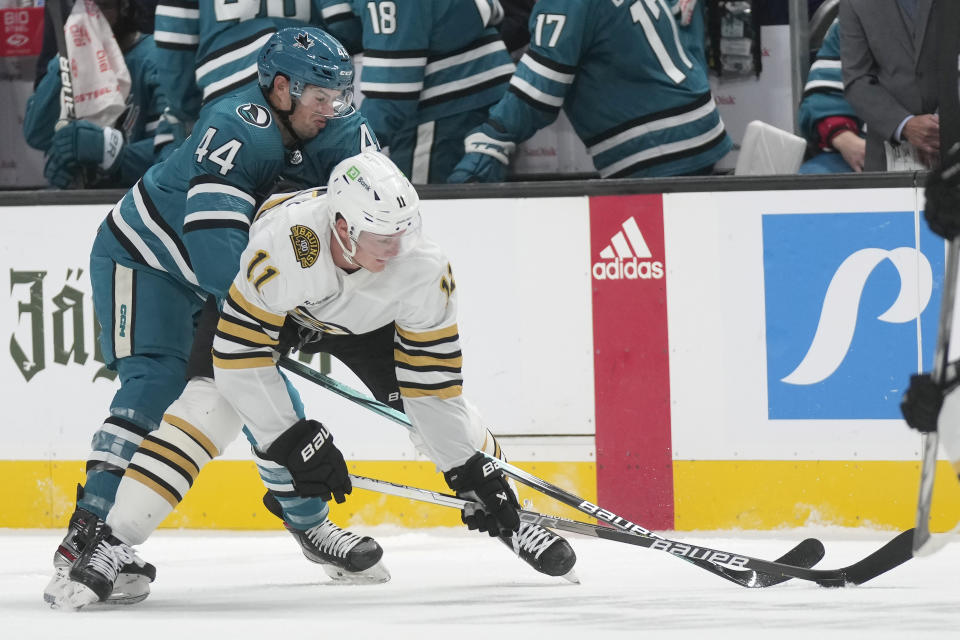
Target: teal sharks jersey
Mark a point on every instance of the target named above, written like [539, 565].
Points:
[638, 100]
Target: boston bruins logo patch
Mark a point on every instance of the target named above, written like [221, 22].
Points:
[255, 114]
[306, 245]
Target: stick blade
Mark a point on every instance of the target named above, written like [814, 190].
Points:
[806, 554]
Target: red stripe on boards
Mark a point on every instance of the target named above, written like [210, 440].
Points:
[631, 359]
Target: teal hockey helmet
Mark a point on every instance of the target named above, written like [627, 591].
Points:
[307, 56]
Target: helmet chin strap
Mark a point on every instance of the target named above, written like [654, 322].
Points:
[283, 115]
[347, 253]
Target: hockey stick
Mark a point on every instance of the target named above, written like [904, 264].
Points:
[890, 555]
[931, 440]
[808, 549]
[805, 554]
[67, 107]
[945, 16]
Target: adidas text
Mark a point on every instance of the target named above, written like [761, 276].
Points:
[631, 269]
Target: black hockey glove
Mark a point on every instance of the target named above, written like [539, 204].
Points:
[307, 451]
[296, 337]
[921, 403]
[482, 481]
[942, 210]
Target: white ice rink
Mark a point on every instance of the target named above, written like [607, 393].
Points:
[451, 585]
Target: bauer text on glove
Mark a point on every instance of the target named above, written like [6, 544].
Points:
[307, 451]
[481, 480]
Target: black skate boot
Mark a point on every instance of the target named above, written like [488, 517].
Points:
[131, 587]
[344, 556]
[93, 576]
[543, 550]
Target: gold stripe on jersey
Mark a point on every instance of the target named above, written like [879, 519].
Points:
[414, 337]
[243, 362]
[276, 200]
[154, 486]
[230, 328]
[445, 390]
[194, 433]
[173, 459]
[427, 359]
[273, 320]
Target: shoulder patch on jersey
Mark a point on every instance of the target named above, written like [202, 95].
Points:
[306, 245]
[255, 114]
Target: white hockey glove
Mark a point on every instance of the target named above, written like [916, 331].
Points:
[486, 156]
[482, 481]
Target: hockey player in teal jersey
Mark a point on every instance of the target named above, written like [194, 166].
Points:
[431, 68]
[209, 47]
[115, 156]
[176, 237]
[825, 117]
[638, 101]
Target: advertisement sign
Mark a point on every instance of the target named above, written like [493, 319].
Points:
[850, 309]
[631, 358]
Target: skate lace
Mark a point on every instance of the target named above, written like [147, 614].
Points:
[532, 539]
[108, 559]
[331, 539]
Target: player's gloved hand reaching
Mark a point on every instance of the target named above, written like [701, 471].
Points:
[482, 481]
[942, 210]
[487, 156]
[921, 403]
[85, 144]
[296, 337]
[307, 451]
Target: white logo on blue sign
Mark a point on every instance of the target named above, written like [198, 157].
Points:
[850, 306]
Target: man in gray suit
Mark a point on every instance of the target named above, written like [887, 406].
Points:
[888, 55]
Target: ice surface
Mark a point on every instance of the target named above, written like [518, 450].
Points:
[453, 585]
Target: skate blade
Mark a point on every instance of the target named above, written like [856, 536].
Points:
[55, 588]
[74, 597]
[571, 576]
[128, 589]
[377, 574]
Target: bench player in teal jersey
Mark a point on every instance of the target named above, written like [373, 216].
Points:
[640, 103]
[825, 117]
[176, 238]
[209, 47]
[112, 156]
[431, 69]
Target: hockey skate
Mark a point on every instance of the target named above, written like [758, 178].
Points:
[97, 570]
[543, 550]
[133, 583]
[344, 556]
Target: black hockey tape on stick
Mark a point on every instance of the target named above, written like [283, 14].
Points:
[806, 554]
[890, 555]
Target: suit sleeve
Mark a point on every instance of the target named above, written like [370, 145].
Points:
[872, 102]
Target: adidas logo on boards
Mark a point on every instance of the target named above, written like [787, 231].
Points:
[624, 257]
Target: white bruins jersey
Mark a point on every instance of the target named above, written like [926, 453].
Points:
[287, 269]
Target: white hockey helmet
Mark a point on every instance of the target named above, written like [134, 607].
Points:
[377, 201]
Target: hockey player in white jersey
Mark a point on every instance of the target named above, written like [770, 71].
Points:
[346, 272]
